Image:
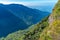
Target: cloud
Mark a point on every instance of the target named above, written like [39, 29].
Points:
[31, 3]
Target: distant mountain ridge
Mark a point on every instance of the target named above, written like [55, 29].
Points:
[25, 12]
[16, 17]
[9, 22]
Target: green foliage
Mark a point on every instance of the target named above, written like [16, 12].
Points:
[41, 30]
[52, 32]
[32, 33]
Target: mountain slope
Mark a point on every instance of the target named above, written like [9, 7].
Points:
[47, 29]
[28, 15]
[32, 33]
[53, 31]
[16, 17]
[9, 22]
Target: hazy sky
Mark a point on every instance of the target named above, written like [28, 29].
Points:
[27, 0]
[39, 4]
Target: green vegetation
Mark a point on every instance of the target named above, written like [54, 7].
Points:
[52, 32]
[44, 30]
[32, 33]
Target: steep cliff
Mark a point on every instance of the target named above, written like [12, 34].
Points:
[52, 32]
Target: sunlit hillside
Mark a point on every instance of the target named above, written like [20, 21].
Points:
[47, 29]
[53, 31]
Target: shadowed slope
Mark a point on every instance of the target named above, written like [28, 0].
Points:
[16, 17]
[9, 22]
[28, 15]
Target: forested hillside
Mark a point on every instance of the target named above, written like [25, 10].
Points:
[47, 29]
[52, 32]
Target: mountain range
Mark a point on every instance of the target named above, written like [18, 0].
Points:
[46, 29]
[14, 17]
